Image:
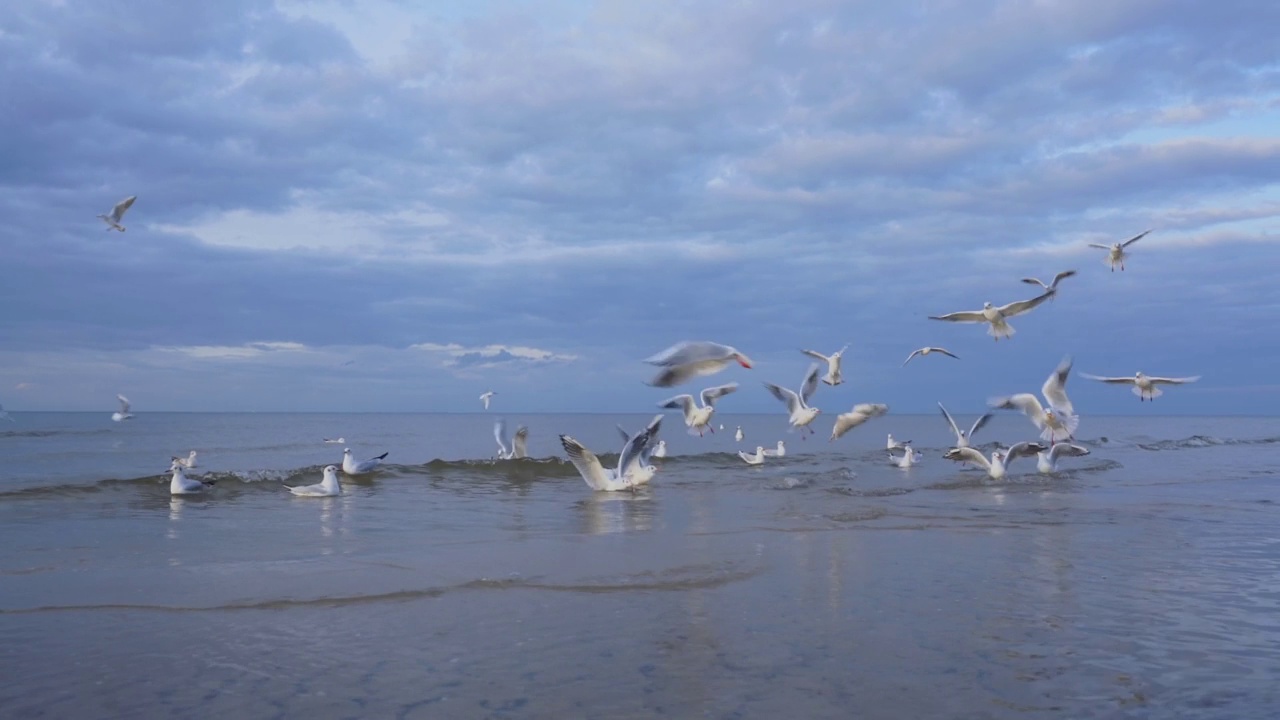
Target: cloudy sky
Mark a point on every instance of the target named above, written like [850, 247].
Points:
[396, 208]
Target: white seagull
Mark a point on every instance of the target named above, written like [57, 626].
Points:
[515, 448]
[779, 451]
[996, 317]
[1056, 423]
[1144, 386]
[909, 457]
[695, 417]
[660, 451]
[629, 472]
[328, 487]
[753, 459]
[833, 376]
[180, 484]
[335, 441]
[800, 414]
[1052, 287]
[117, 214]
[926, 350]
[687, 360]
[962, 437]
[999, 462]
[737, 435]
[4, 415]
[1115, 251]
[1047, 460]
[855, 417]
[643, 470]
[123, 413]
[892, 444]
[484, 398]
[187, 462]
[351, 467]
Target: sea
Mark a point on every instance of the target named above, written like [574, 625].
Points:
[1139, 581]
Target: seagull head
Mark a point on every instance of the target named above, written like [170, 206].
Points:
[346, 451]
[743, 360]
[987, 305]
[998, 455]
[1139, 375]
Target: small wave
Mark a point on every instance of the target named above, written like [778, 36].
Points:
[49, 433]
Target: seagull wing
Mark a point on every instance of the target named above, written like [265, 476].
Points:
[1112, 380]
[681, 374]
[586, 462]
[520, 444]
[950, 422]
[962, 316]
[977, 425]
[633, 449]
[1035, 281]
[124, 404]
[1172, 381]
[623, 432]
[684, 402]
[968, 454]
[1100, 247]
[711, 394]
[1061, 276]
[117, 212]
[500, 434]
[913, 354]
[816, 355]
[1066, 450]
[1022, 449]
[788, 397]
[810, 383]
[1024, 402]
[1055, 388]
[687, 352]
[1021, 306]
[1134, 239]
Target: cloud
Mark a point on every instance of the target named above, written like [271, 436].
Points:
[491, 355]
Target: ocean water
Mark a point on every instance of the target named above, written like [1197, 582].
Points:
[1140, 581]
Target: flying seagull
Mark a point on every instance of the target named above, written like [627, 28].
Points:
[690, 359]
[798, 410]
[1115, 251]
[1047, 460]
[484, 398]
[699, 417]
[1144, 386]
[855, 417]
[964, 438]
[996, 317]
[117, 214]
[833, 376]
[1052, 287]
[926, 350]
[999, 461]
[1059, 421]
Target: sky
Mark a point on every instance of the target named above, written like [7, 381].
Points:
[395, 206]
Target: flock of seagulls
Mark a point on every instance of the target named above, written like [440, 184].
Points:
[1055, 418]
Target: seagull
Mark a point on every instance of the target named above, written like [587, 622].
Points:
[909, 457]
[335, 441]
[926, 350]
[999, 462]
[180, 484]
[518, 445]
[1144, 386]
[484, 398]
[123, 414]
[1059, 421]
[629, 472]
[325, 488]
[695, 417]
[351, 467]
[855, 417]
[833, 376]
[1052, 287]
[642, 471]
[117, 214]
[892, 444]
[756, 459]
[1115, 251]
[661, 450]
[997, 317]
[798, 405]
[780, 451]
[1047, 460]
[962, 437]
[687, 360]
[187, 462]
[5, 416]
[737, 435]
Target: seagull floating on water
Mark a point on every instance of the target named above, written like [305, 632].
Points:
[1056, 423]
[999, 462]
[799, 412]
[180, 484]
[328, 487]
[628, 474]
[1052, 287]
[927, 350]
[660, 450]
[484, 398]
[1047, 460]
[753, 459]
[892, 444]
[123, 412]
[335, 441]
[1144, 386]
[909, 457]
[514, 449]
[351, 467]
[643, 470]
[855, 417]
[117, 214]
[737, 435]
[833, 376]
[690, 359]
[1115, 251]
[187, 462]
[996, 317]
[695, 417]
[962, 437]
[779, 451]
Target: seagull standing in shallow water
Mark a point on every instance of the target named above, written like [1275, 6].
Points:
[909, 457]
[1115, 251]
[630, 471]
[180, 484]
[996, 317]
[117, 214]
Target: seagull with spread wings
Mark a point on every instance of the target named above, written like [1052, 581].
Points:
[926, 351]
[687, 360]
[117, 214]
[999, 462]
[833, 376]
[699, 417]
[1144, 386]
[631, 470]
[798, 410]
[963, 437]
[1058, 421]
[1115, 251]
[996, 317]
[1052, 287]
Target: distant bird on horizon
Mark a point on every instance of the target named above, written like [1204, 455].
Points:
[833, 376]
[1144, 386]
[123, 412]
[335, 441]
[996, 317]
[117, 214]
[690, 359]
[1115, 251]
[1052, 287]
[484, 398]
[927, 350]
